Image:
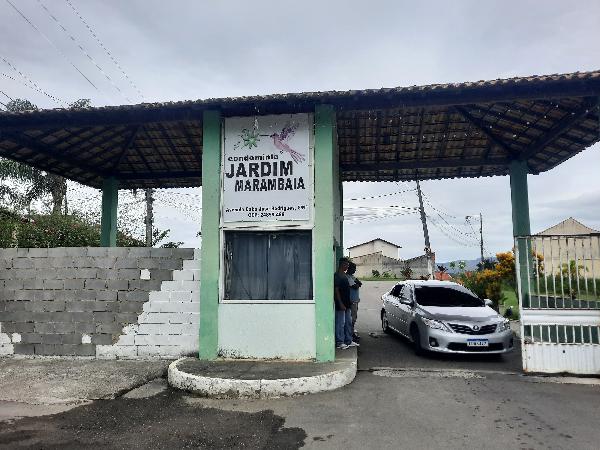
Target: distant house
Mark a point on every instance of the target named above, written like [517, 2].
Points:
[568, 227]
[442, 276]
[569, 237]
[378, 245]
[383, 256]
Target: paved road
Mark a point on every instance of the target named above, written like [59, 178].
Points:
[422, 404]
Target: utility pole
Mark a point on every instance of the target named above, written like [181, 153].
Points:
[425, 232]
[480, 234]
[481, 237]
[149, 216]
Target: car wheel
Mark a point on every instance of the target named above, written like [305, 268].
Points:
[385, 326]
[416, 339]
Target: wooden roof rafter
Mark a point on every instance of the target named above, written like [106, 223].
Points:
[441, 130]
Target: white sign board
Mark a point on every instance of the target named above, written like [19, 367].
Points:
[266, 168]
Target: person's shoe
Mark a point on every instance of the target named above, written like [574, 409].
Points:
[353, 344]
[343, 346]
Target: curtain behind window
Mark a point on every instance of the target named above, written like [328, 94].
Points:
[268, 265]
[290, 266]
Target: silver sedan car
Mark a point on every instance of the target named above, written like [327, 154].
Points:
[443, 316]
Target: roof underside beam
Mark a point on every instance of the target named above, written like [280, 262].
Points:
[48, 151]
[160, 175]
[482, 126]
[561, 127]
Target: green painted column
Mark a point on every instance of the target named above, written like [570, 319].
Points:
[340, 252]
[210, 252]
[323, 241]
[521, 227]
[108, 221]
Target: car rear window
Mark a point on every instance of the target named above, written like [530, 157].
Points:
[446, 296]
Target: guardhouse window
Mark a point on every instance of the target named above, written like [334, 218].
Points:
[268, 265]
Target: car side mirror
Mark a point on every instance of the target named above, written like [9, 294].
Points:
[406, 301]
[488, 302]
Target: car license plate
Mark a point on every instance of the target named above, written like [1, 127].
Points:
[477, 343]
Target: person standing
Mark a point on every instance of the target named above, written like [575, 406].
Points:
[355, 285]
[343, 307]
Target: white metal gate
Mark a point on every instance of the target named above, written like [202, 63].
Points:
[559, 299]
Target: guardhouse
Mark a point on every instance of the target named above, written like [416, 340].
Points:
[271, 170]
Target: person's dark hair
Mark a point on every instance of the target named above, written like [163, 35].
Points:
[343, 260]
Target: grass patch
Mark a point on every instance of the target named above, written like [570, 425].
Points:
[510, 299]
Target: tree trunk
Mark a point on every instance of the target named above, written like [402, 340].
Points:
[58, 192]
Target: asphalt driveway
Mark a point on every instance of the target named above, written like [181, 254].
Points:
[382, 350]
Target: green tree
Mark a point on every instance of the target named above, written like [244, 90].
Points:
[38, 183]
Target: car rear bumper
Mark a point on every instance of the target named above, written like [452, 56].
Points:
[447, 342]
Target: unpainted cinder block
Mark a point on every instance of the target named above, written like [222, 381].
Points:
[97, 251]
[129, 274]
[126, 263]
[24, 349]
[33, 283]
[171, 264]
[102, 339]
[14, 284]
[65, 327]
[148, 263]
[22, 263]
[50, 338]
[137, 296]
[184, 253]
[74, 284]
[45, 349]
[31, 338]
[38, 253]
[105, 263]
[106, 296]
[54, 284]
[107, 274]
[118, 285]
[130, 307]
[70, 338]
[95, 284]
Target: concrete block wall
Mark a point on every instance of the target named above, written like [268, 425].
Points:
[78, 301]
[168, 326]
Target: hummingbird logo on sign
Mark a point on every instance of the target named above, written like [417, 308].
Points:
[280, 141]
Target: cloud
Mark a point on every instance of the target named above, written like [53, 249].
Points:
[190, 49]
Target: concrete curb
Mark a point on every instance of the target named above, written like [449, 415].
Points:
[262, 388]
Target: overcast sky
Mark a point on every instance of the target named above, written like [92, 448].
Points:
[198, 49]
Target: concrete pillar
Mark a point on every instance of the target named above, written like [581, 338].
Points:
[108, 222]
[323, 235]
[211, 247]
[521, 227]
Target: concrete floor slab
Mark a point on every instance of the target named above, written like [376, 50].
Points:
[52, 381]
[262, 379]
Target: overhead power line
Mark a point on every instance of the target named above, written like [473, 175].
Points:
[6, 95]
[51, 43]
[379, 196]
[83, 50]
[108, 53]
[29, 82]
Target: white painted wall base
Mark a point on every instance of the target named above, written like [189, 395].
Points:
[168, 327]
[264, 330]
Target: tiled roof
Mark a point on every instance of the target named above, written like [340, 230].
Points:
[436, 131]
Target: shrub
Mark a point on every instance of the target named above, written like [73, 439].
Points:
[54, 230]
[375, 273]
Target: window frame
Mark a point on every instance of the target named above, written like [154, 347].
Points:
[222, 298]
